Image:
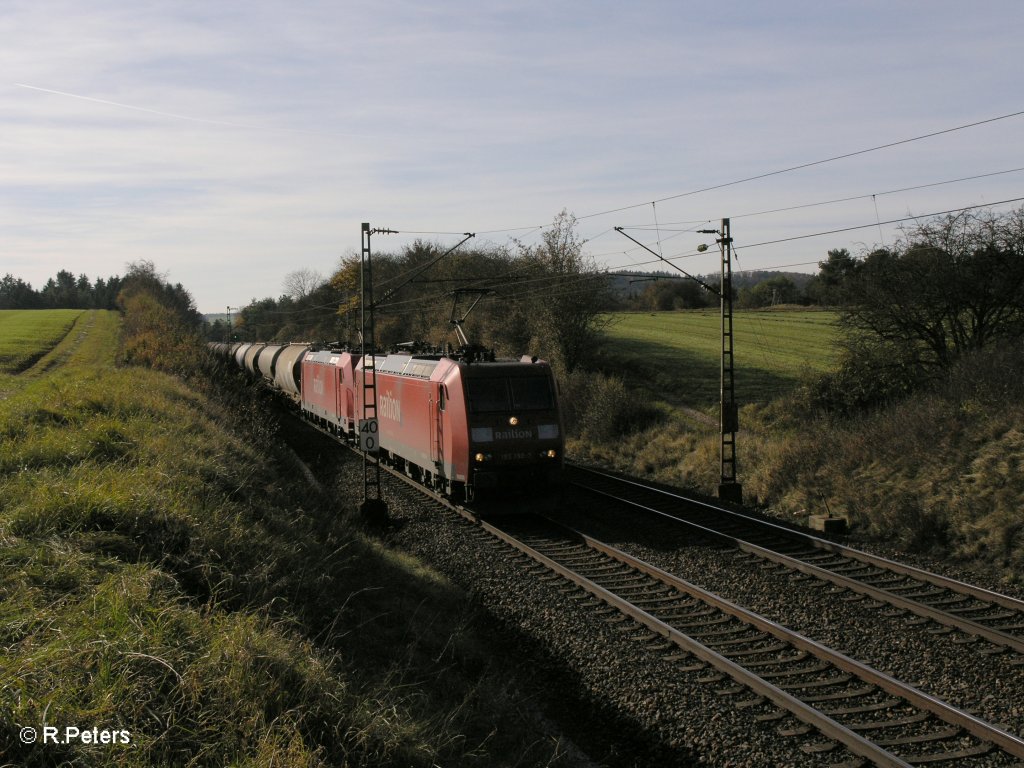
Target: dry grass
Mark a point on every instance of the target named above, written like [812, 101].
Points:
[938, 472]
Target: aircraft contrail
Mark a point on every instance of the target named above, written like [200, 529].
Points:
[171, 114]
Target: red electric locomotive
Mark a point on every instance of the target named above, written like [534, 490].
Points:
[468, 428]
[328, 389]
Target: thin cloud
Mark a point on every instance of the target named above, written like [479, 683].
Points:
[474, 117]
[207, 121]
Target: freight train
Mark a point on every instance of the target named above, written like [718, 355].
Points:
[467, 427]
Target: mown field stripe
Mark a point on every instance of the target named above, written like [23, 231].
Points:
[678, 352]
[26, 335]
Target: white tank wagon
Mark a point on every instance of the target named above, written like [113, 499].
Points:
[239, 353]
[250, 357]
[288, 369]
[278, 364]
[267, 358]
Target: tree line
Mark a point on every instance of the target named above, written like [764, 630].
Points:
[660, 292]
[545, 299]
[945, 287]
[65, 291]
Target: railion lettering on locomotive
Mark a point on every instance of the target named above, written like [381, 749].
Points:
[514, 434]
[390, 407]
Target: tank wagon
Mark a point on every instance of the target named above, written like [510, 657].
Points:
[249, 358]
[280, 365]
[287, 370]
[267, 358]
[464, 427]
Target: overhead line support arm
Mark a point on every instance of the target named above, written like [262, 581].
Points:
[388, 294]
[703, 285]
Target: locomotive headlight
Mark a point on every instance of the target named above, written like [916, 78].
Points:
[513, 420]
[482, 457]
[552, 454]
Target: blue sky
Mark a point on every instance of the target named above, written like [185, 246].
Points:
[234, 142]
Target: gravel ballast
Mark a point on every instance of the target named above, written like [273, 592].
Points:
[621, 702]
[949, 666]
[624, 704]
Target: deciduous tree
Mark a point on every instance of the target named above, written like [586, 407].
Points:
[300, 283]
[948, 286]
[565, 296]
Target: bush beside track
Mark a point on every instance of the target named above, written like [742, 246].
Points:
[167, 571]
[938, 473]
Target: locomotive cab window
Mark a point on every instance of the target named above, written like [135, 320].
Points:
[520, 393]
[488, 395]
[531, 393]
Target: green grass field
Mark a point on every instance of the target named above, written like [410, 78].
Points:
[26, 335]
[675, 355]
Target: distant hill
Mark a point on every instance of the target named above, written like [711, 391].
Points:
[626, 282]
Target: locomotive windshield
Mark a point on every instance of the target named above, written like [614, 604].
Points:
[488, 395]
[520, 393]
[532, 393]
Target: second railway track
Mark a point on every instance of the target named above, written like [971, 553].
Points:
[872, 715]
[996, 618]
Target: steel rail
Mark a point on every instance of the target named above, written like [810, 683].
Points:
[969, 626]
[979, 728]
[857, 554]
[827, 726]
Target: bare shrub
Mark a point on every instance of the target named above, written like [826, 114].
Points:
[602, 408]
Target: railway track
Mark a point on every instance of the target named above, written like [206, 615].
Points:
[782, 673]
[773, 672]
[954, 605]
[872, 715]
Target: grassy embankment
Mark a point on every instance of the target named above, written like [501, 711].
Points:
[164, 572]
[940, 472]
